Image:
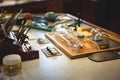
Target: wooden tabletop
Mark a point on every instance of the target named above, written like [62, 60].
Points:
[63, 68]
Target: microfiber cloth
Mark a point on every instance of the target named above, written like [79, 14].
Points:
[104, 56]
[43, 26]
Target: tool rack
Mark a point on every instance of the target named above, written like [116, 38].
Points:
[9, 44]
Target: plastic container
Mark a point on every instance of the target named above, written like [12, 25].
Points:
[11, 64]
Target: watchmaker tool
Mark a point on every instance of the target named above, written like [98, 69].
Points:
[20, 35]
[20, 30]
[11, 22]
[104, 56]
[78, 19]
[8, 22]
[20, 23]
[13, 42]
[27, 47]
[2, 16]
[75, 27]
[22, 39]
[14, 20]
[51, 51]
[27, 30]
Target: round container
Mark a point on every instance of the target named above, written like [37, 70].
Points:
[11, 64]
[102, 40]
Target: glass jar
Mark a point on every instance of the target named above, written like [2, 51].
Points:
[94, 31]
[11, 64]
[102, 40]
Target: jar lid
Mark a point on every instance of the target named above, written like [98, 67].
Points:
[11, 59]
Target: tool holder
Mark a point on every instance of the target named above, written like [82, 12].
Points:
[9, 45]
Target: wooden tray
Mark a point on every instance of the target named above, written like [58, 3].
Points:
[113, 38]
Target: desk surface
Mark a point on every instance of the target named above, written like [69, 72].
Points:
[63, 68]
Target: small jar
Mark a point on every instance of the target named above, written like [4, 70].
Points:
[94, 31]
[102, 40]
[11, 64]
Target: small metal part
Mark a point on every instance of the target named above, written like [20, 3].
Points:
[81, 46]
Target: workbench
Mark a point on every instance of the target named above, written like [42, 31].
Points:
[64, 68]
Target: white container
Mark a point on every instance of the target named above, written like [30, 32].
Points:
[11, 64]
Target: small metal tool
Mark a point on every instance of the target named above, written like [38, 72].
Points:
[78, 19]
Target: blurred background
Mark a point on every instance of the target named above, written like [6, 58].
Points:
[104, 13]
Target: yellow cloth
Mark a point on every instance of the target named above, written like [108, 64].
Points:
[85, 33]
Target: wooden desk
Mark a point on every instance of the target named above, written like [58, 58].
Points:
[63, 68]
